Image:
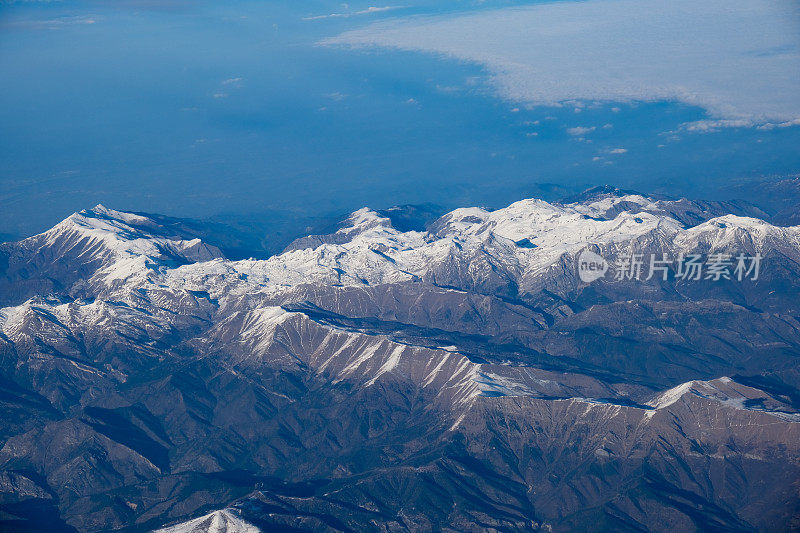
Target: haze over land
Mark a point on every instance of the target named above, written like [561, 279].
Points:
[206, 108]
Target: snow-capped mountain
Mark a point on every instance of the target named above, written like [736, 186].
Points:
[459, 376]
[224, 521]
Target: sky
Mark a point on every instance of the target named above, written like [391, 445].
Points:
[201, 109]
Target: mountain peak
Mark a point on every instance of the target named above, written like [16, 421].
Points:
[364, 219]
[598, 193]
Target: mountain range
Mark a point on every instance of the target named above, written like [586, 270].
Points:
[405, 371]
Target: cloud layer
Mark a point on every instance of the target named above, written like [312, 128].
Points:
[370, 10]
[738, 59]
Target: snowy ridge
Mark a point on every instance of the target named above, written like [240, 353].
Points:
[724, 392]
[224, 521]
[469, 246]
[727, 392]
[120, 247]
[144, 282]
[124, 235]
[289, 339]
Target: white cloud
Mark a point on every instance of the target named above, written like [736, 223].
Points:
[738, 59]
[711, 126]
[580, 130]
[618, 151]
[376, 10]
[370, 10]
[55, 23]
[787, 124]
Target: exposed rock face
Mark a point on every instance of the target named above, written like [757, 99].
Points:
[461, 377]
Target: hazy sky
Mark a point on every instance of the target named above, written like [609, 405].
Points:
[200, 108]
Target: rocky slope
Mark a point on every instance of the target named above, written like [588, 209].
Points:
[458, 377]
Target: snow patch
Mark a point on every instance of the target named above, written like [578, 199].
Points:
[224, 521]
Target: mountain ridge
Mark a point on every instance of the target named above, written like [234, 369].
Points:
[459, 376]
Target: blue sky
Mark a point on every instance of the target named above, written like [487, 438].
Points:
[200, 108]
